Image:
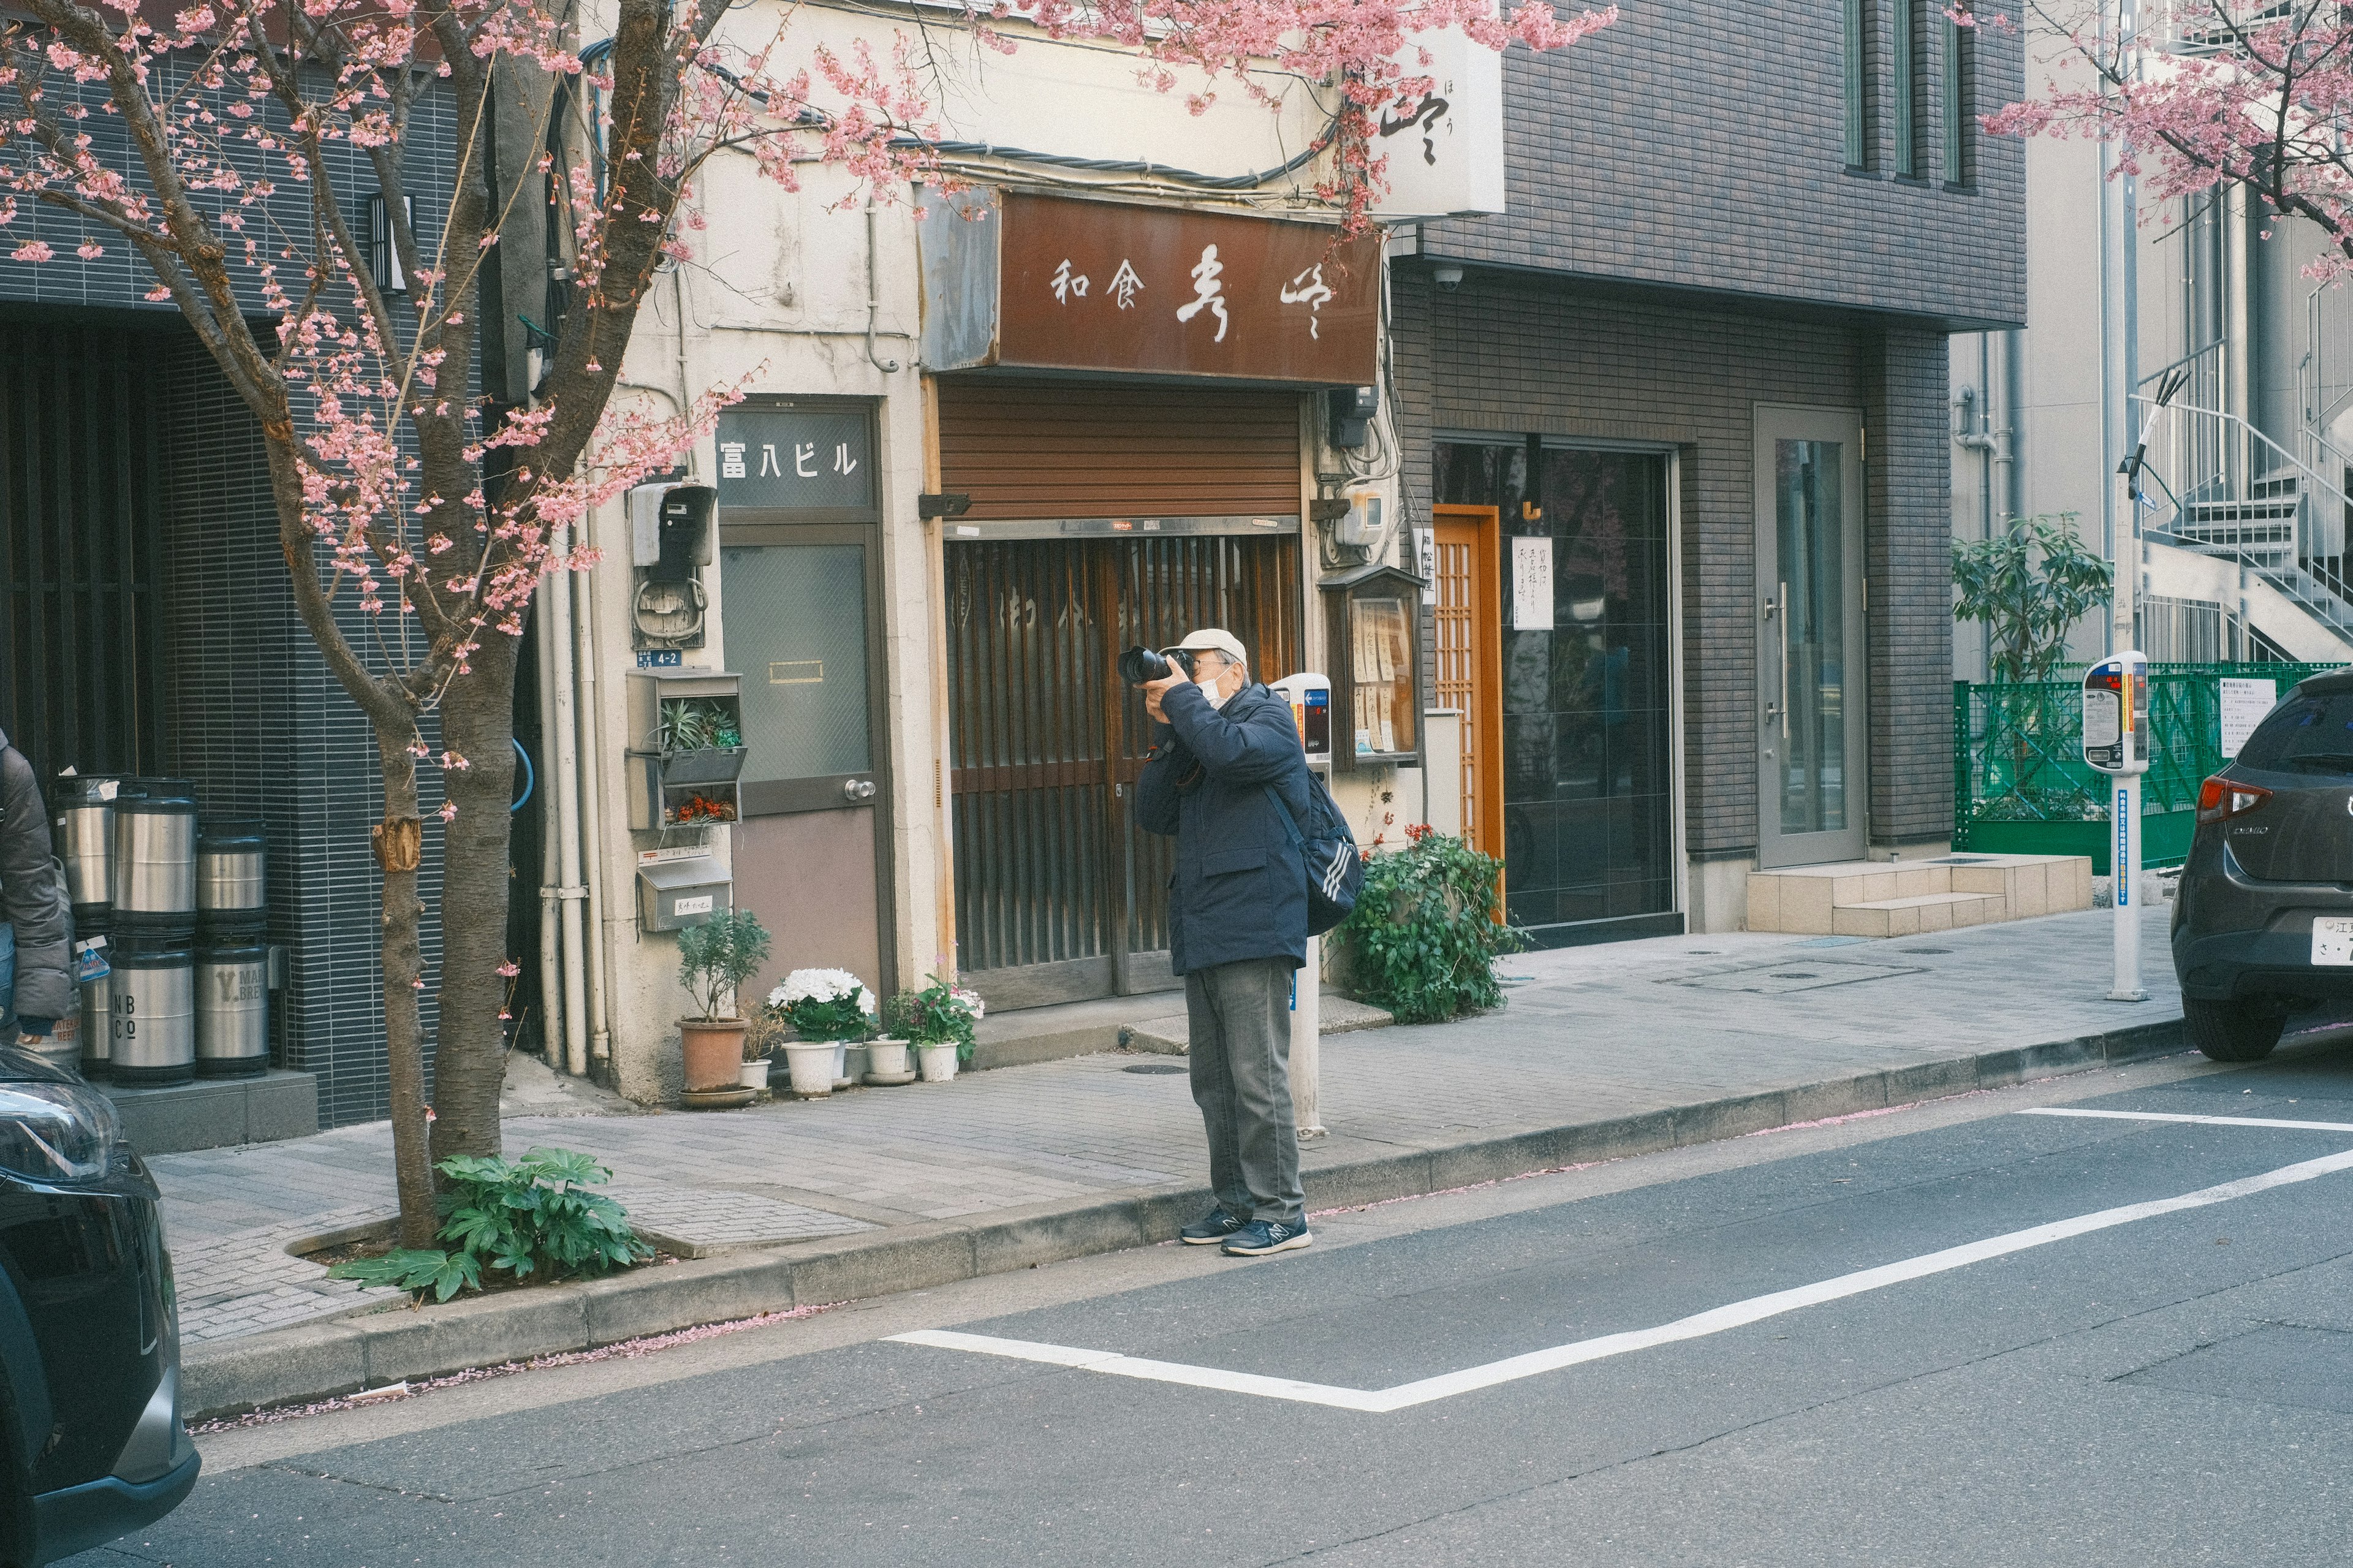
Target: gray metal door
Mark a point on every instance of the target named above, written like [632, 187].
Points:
[1810, 674]
[804, 622]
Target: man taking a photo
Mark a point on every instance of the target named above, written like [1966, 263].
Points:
[1237, 928]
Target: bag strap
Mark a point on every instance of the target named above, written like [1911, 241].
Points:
[1290, 823]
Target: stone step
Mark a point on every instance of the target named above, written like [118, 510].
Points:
[1913, 916]
[1804, 899]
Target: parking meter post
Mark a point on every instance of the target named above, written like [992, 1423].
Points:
[2125, 855]
[2116, 741]
[1310, 697]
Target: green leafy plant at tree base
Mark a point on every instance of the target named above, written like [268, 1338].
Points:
[527, 1217]
[1423, 939]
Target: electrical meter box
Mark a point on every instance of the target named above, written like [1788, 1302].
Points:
[1310, 697]
[675, 894]
[2116, 714]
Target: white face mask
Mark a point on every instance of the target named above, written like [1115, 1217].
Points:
[1208, 685]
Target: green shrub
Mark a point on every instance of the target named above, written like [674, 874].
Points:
[1422, 939]
[533, 1216]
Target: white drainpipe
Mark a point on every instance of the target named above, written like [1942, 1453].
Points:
[550, 971]
[566, 768]
[592, 809]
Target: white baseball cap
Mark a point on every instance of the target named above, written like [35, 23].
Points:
[1217, 639]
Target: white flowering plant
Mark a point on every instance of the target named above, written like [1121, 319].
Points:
[941, 1013]
[824, 1004]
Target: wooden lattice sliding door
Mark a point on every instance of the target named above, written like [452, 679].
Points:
[1058, 896]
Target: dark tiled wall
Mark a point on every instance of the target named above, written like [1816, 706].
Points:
[1910, 567]
[119, 280]
[1701, 145]
[1510, 354]
[255, 718]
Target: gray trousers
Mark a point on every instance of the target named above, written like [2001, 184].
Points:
[1239, 1018]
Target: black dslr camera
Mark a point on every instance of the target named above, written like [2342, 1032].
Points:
[1138, 665]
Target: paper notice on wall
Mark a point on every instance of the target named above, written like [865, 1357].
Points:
[1531, 584]
[2244, 703]
[1425, 562]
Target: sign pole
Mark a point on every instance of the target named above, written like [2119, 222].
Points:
[2124, 862]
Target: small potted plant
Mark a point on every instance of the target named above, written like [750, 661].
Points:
[828, 1008]
[939, 1020]
[886, 1061]
[763, 1033]
[713, 959]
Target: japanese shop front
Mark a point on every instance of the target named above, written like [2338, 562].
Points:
[1124, 449]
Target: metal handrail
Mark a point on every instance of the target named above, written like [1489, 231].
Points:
[2230, 442]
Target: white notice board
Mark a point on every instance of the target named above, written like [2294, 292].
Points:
[2244, 703]
[1531, 584]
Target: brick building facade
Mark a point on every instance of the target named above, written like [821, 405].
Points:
[1715, 233]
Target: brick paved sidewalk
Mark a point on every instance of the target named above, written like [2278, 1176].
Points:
[1587, 1033]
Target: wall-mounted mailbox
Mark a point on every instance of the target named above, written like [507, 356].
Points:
[1372, 616]
[686, 748]
[675, 894]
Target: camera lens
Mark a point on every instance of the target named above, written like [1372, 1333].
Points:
[1138, 665]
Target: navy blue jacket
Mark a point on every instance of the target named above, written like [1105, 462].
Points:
[1240, 889]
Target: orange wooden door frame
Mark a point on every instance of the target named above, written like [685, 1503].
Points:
[1476, 684]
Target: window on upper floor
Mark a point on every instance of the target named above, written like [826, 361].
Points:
[1904, 111]
[1960, 96]
[1856, 53]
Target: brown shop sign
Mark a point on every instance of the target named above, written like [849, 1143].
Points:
[1043, 282]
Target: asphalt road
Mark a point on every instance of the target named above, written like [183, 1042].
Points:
[2167, 1386]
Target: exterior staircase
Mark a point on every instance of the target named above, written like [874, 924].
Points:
[1912, 898]
[2223, 488]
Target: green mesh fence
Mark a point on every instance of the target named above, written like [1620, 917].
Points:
[2019, 782]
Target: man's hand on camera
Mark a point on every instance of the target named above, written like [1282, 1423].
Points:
[1153, 690]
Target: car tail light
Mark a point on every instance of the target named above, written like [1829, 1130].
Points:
[2221, 799]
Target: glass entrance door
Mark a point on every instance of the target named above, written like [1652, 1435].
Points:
[1810, 635]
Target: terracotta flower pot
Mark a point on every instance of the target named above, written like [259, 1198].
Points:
[714, 1052]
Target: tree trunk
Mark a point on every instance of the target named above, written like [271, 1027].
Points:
[469, 1059]
[397, 844]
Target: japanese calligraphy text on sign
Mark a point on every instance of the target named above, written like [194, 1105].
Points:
[1053, 283]
[811, 458]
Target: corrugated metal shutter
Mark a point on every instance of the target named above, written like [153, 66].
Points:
[1060, 449]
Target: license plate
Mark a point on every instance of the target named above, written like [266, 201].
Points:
[2332, 940]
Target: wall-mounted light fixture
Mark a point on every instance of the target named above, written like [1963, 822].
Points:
[383, 256]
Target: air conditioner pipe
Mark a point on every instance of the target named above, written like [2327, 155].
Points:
[590, 756]
[566, 768]
[551, 968]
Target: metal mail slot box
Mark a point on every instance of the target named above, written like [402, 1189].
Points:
[675, 894]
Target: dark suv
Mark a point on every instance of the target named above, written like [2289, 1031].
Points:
[91, 1440]
[2263, 924]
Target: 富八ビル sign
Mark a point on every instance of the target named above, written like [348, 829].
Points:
[808, 456]
[1049, 283]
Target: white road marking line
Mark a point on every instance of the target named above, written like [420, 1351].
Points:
[2201, 1121]
[1738, 1314]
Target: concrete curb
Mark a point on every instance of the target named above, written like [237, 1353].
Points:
[318, 1361]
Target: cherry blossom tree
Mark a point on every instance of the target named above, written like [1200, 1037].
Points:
[2259, 96]
[229, 144]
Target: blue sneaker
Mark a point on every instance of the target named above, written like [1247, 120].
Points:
[1210, 1229]
[1263, 1237]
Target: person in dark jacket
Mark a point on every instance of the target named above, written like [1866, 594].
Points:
[1237, 928]
[36, 985]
